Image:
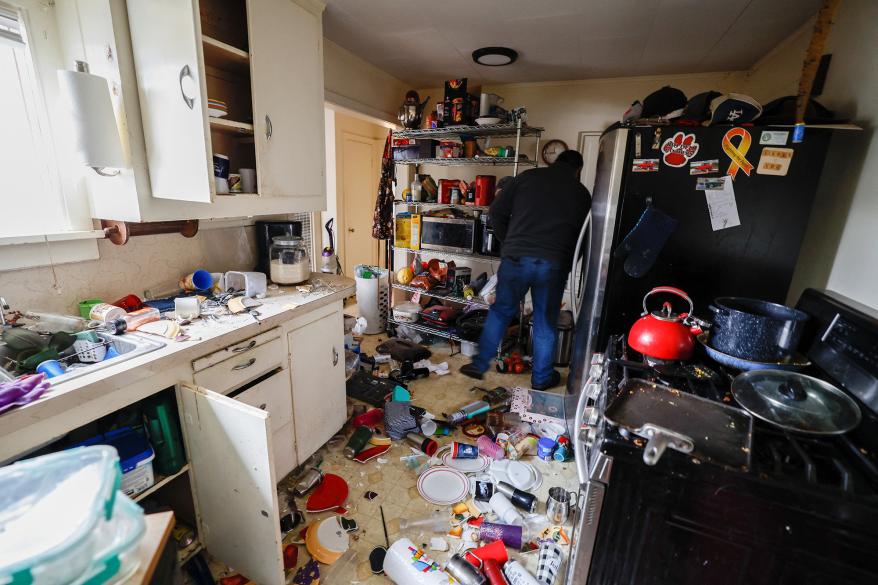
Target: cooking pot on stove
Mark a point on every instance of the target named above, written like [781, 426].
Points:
[662, 334]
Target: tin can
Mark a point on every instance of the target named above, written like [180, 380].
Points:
[511, 535]
[465, 573]
[463, 451]
[517, 574]
[484, 491]
[562, 453]
[455, 195]
[357, 442]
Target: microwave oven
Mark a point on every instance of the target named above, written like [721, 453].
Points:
[448, 234]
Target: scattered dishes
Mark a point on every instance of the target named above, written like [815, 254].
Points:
[371, 453]
[326, 540]
[488, 121]
[480, 463]
[519, 474]
[217, 108]
[443, 486]
[329, 495]
[796, 363]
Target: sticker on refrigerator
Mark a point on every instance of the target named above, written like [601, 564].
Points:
[679, 149]
[722, 206]
[704, 167]
[709, 183]
[645, 165]
[774, 137]
[775, 161]
[737, 152]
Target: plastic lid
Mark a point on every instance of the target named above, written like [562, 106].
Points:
[49, 505]
[796, 402]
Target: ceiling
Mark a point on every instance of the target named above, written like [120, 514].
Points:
[424, 42]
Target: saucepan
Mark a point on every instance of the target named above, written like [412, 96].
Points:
[755, 330]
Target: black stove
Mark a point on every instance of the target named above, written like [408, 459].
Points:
[805, 511]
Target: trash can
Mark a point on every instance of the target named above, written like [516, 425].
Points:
[373, 296]
[563, 339]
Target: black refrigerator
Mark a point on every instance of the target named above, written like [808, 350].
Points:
[709, 252]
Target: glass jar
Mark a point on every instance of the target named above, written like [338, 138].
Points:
[288, 260]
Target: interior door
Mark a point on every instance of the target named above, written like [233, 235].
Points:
[317, 370]
[360, 172]
[233, 477]
[286, 65]
[166, 41]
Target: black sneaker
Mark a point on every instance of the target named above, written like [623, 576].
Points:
[553, 381]
[471, 370]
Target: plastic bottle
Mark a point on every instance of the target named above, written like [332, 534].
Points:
[417, 188]
[141, 317]
[436, 522]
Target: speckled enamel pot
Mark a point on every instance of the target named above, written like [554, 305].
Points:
[755, 330]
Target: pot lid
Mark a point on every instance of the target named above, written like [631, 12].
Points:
[796, 402]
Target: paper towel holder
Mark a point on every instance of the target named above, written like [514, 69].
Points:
[101, 151]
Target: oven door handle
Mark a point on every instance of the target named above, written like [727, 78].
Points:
[580, 455]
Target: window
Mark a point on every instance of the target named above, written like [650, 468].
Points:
[31, 195]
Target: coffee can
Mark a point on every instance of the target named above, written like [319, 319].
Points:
[463, 451]
[459, 568]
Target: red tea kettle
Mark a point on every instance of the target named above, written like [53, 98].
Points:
[663, 334]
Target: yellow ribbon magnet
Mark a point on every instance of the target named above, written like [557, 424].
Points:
[737, 153]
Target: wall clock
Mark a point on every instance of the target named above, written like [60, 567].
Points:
[552, 149]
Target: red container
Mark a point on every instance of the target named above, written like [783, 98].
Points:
[445, 186]
[485, 187]
[129, 303]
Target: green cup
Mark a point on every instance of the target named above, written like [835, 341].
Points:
[85, 307]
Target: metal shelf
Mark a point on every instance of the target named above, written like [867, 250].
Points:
[498, 130]
[428, 330]
[417, 204]
[481, 160]
[449, 298]
[451, 254]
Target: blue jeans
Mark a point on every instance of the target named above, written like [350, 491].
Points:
[516, 275]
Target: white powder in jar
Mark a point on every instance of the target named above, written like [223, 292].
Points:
[282, 273]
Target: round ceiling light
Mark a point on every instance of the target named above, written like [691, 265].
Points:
[495, 56]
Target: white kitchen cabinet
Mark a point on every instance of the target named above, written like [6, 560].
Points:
[164, 58]
[234, 482]
[316, 343]
[286, 63]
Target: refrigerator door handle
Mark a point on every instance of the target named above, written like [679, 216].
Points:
[575, 295]
[579, 447]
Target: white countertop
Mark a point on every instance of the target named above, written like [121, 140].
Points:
[70, 403]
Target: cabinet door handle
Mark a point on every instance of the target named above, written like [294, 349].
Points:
[262, 406]
[186, 72]
[250, 345]
[334, 357]
[245, 365]
[268, 129]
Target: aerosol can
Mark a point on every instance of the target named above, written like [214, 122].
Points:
[329, 261]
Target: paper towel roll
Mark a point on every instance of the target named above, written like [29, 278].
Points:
[95, 132]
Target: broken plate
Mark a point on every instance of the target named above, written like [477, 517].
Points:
[330, 494]
[519, 474]
[443, 486]
[327, 540]
[371, 453]
[480, 463]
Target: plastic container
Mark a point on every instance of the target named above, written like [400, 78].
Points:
[106, 312]
[116, 541]
[50, 507]
[86, 305]
[407, 312]
[135, 458]
[436, 522]
[289, 262]
[141, 317]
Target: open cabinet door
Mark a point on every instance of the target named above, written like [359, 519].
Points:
[166, 42]
[233, 478]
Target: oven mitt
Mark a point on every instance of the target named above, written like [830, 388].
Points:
[642, 245]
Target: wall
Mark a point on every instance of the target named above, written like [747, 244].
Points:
[144, 263]
[839, 252]
[353, 83]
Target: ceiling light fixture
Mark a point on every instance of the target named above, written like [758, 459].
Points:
[495, 56]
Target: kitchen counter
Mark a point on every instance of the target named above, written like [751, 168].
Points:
[75, 402]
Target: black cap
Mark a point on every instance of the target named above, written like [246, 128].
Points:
[697, 109]
[663, 101]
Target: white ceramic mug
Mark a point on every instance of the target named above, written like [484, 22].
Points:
[406, 564]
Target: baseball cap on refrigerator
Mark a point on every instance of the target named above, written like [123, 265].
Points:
[663, 102]
[734, 108]
[697, 109]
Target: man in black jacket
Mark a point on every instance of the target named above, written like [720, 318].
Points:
[537, 217]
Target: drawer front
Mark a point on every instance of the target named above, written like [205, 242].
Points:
[284, 448]
[235, 350]
[273, 396]
[245, 366]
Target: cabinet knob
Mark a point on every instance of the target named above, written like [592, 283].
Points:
[268, 129]
[334, 357]
[351, 230]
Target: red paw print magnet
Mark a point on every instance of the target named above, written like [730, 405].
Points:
[679, 149]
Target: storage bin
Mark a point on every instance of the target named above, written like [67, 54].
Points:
[114, 556]
[412, 148]
[135, 458]
[373, 297]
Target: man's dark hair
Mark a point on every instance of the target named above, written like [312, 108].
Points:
[571, 158]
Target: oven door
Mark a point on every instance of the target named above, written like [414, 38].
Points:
[585, 531]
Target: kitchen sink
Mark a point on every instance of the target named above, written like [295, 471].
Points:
[127, 346]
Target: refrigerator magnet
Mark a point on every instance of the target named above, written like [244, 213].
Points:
[679, 149]
[704, 167]
[645, 165]
[774, 137]
[775, 161]
[737, 152]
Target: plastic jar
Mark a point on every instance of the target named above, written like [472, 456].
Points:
[289, 261]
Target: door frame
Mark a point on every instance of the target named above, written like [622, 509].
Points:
[340, 198]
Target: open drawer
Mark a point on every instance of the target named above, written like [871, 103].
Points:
[232, 466]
